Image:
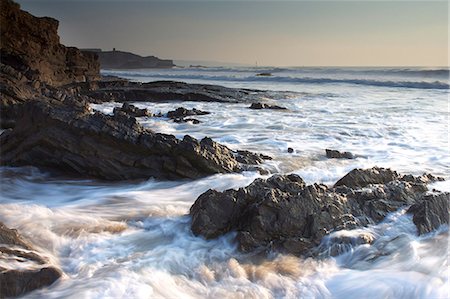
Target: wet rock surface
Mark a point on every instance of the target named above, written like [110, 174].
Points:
[15, 278]
[284, 213]
[258, 106]
[132, 110]
[65, 136]
[183, 112]
[334, 154]
[430, 213]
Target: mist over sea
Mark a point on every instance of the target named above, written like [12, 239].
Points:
[133, 240]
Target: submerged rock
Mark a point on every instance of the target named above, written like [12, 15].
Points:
[18, 280]
[67, 138]
[258, 106]
[284, 213]
[186, 120]
[334, 154]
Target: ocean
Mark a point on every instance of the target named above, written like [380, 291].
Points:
[133, 239]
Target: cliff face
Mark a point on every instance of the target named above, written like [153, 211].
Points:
[31, 46]
[126, 60]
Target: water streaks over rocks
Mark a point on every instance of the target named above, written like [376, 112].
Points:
[284, 213]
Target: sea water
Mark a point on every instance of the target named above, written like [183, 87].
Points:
[133, 239]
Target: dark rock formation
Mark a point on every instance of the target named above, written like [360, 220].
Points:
[186, 120]
[431, 212]
[334, 154]
[31, 46]
[162, 91]
[264, 74]
[33, 62]
[358, 178]
[125, 60]
[284, 213]
[258, 106]
[183, 112]
[290, 150]
[132, 110]
[67, 137]
[16, 281]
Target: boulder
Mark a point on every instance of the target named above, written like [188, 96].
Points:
[64, 136]
[18, 280]
[185, 120]
[284, 213]
[334, 154]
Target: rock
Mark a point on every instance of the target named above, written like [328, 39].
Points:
[183, 112]
[363, 177]
[185, 120]
[430, 213]
[180, 113]
[266, 106]
[290, 150]
[18, 280]
[264, 74]
[132, 110]
[333, 154]
[31, 46]
[163, 91]
[66, 137]
[283, 213]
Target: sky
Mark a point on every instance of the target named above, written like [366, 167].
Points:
[275, 33]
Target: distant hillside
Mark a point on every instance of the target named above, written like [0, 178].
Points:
[125, 60]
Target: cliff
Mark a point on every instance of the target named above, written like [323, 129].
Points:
[31, 46]
[125, 60]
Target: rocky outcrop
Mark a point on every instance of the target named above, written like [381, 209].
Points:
[183, 112]
[430, 213]
[65, 136]
[33, 61]
[162, 91]
[334, 154]
[284, 213]
[15, 278]
[132, 110]
[126, 60]
[258, 106]
[31, 46]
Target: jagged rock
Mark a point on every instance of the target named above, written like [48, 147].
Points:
[284, 213]
[266, 106]
[363, 177]
[132, 110]
[183, 112]
[430, 213]
[16, 281]
[334, 154]
[67, 137]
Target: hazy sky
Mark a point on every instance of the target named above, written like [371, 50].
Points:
[295, 33]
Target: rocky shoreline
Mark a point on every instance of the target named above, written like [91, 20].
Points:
[282, 213]
[49, 124]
